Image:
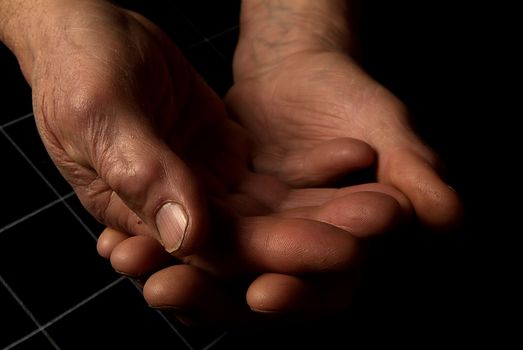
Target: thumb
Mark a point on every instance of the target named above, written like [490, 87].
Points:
[139, 185]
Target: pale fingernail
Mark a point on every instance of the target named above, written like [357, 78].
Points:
[171, 222]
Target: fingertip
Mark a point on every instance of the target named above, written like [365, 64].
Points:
[180, 287]
[160, 292]
[444, 209]
[138, 256]
[276, 293]
[280, 294]
[437, 206]
[108, 240]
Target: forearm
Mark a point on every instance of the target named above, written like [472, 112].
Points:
[306, 22]
[281, 27]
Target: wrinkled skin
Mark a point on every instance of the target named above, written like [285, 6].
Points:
[126, 118]
[313, 96]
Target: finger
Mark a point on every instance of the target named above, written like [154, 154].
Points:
[285, 245]
[361, 214]
[139, 256]
[318, 196]
[198, 299]
[320, 165]
[195, 297]
[109, 239]
[261, 194]
[436, 204]
[278, 293]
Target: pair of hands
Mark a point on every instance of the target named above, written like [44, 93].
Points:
[236, 190]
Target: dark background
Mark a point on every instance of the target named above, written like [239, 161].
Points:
[446, 61]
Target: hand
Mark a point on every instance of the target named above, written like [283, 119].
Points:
[121, 114]
[310, 102]
[301, 95]
[294, 252]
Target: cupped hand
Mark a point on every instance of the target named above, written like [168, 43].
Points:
[304, 106]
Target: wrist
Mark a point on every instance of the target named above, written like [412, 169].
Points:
[32, 29]
[26, 28]
[16, 22]
[271, 30]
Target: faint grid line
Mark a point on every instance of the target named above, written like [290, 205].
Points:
[85, 301]
[48, 183]
[212, 37]
[206, 40]
[67, 312]
[215, 341]
[16, 120]
[137, 286]
[77, 218]
[29, 313]
[37, 211]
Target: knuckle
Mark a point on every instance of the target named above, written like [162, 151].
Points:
[132, 179]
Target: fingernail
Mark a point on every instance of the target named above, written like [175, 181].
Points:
[171, 222]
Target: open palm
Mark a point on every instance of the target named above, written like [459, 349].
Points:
[307, 112]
